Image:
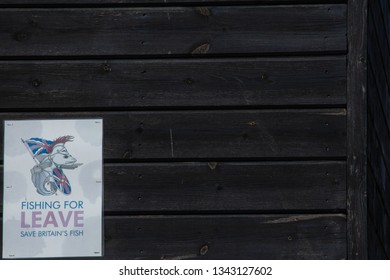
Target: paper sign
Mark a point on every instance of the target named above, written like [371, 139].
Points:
[53, 188]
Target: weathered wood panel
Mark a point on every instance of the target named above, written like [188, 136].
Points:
[223, 186]
[379, 164]
[146, 2]
[378, 129]
[357, 130]
[385, 13]
[378, 87]
[318, 236]
[226, 186]
[378, 175]
[174, 82]
[378, 214]
[253, 153]
[379, 37]
[378, 151]
[227, 237]
[375, 250]
[216, 134]
[173, 30]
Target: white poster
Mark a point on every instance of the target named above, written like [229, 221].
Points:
[53, 188]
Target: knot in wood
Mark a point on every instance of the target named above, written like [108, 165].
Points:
[202, 49]
[252, 123]
[22, 36]
[212, 165]
[203, 250]
[36, 83]
[189, 81]
[204, 11]
[264, 76]
[106, 68]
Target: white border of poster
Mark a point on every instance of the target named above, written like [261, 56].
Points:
[53, 188]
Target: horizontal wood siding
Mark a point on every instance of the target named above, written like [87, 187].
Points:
[218, 134]
[225, 127]
[57, 3]
[173, 83]
[172, 30]
[225, 237]
[223, 186]
[379, 129]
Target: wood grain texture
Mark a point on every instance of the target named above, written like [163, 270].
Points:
[211, 121]
[378, 152]
[172, 30]
[159, 2]
[385, 13]
[225, 186]
[379, 67]
[216, 134]
[378, 156]
[379, 36]
[222, 186]
[308, 236]
[357, 130]
[378, 86]
[378, 214]
[227, 237]
[375, 250]
[172, 83]
[378, 130]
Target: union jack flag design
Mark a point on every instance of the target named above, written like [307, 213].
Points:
[38, 146]
[61, 181]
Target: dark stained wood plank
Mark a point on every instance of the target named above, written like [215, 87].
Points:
[385, 12]
[223, 186]
[161, 2]
[176, 82]
[382, 22]
[357, 130]
[378, 152]
[375, 250]
[226, 237]
[216, 134]
[380, 173]
[318, 236]
[378, 214]
[378, 36]
[378, 131]
[173, 30]
[377, 78]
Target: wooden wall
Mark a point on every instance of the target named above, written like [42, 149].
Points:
[224, 122]
[379, 129]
